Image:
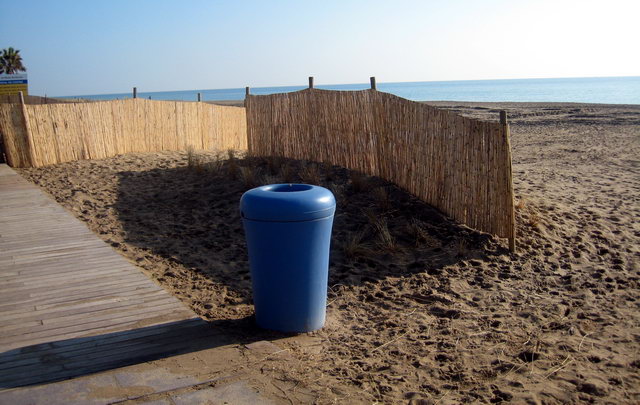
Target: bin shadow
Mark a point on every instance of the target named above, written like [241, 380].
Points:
[186, 221]
[75, 357]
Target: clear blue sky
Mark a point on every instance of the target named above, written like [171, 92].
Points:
[91, 47]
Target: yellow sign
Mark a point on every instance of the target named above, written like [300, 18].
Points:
[13, 84]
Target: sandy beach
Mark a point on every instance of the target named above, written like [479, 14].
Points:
[432, 312]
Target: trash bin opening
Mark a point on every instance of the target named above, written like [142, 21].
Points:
[287, 188]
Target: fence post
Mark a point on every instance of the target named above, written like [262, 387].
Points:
[199, 99]
[507, 135]
[247, 91]
[503, 117]
[310, 82]
[135, 92]
[373, 82]
[27, 131]
[3, 156]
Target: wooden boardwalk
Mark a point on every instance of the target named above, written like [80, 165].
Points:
[69, 304]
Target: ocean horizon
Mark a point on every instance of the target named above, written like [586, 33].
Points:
[604, 90]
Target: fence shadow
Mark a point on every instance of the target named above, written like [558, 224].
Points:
[189, 217]
[70, 358]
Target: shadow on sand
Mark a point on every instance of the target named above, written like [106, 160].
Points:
[188, 216]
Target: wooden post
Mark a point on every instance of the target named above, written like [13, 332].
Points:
[135, 92]
[247, 91]
[373, 82]
[45, 99]
[507, 134]
[310, 82]
[503, 117]
[27, 131]
[3, 156]
[199, 98]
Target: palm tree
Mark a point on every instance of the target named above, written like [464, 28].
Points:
[11, 61]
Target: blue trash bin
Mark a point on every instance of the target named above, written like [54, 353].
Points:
[288, 232]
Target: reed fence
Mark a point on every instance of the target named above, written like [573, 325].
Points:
[39, 135]
[461, 166]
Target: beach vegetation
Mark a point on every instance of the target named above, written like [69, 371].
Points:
[382, 197]
[194, 161]
[274, 163]
[216, 163]
[534, 220]
[418, 232]
[233, 168]
[338, 193]
[270, 179]
[288, 173]
[354, 246]
[385, 240]
[310, 174]
[250, 176]
[329, 173]
[461, 248]
[360, 182]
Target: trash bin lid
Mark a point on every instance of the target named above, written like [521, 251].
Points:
[287, 203]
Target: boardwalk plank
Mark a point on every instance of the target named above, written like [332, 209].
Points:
[69, 304]
[105, 306]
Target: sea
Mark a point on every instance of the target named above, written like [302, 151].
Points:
[606, 90]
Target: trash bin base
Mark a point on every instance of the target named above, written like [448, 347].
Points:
[289, 272]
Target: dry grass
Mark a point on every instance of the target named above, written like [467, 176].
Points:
[385, 240]
[338, 193]
[270, 179]
[534, 220]
[371, 215]
[233, 169]
[382, 197]
[250, 176]
[216, 163]
[310, 174]
[329, 173]
[461, 248]
[420, 235]
[360, 182]
[354, 246]
[288, 173]
[194, 161]
[274, 164]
